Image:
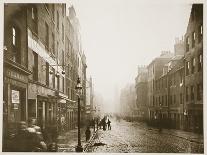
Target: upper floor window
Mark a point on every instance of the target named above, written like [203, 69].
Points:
[199, 91]
[34, 13]
[193, 39]
[47, 35]
[63, 10]
[63, 32]
[200, 62]
[187, 67]
[35, 66]
[14, 36]
[200, 33]
[16, 42]
[193, 65]
[186, 92]
[192, 93]
[53, 11]
[57, 20]
[187, 44]
[53, 43]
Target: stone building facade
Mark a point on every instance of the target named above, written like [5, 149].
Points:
[43, 59]
[155, 70]
[193, 60]
[141, 112]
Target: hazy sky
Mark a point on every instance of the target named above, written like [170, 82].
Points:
[119, 35]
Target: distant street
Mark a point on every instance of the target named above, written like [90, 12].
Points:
[137, 137]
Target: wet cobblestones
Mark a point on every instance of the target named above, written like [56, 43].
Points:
[137, 137]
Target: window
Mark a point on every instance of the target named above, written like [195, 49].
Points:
[63, 59]
[174, 99]
[200, 62]
[47, 73]
[35, 66]
[16, 45]
[63, 33]
[63, 10]
[187, 44]
[193, 65]
[57, 20]
[199, 91]
[53, 77]
[200, 33]
[63, 82]
[181, 98]
[192, 93]
[34, 13]
[187, 67]
[193, 39]
[186, 92]
[53, 11]
[53, 43]
[57, 50]
[14, 36]
[46, 36]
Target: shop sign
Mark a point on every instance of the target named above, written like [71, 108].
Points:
[15, 96]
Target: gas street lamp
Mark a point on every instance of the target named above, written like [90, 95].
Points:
[78, 88]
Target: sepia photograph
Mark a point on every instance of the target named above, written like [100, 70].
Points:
[103, 76]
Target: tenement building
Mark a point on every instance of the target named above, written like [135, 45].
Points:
[193, 108]
[155, 70]
[43, 59]
[141, 109]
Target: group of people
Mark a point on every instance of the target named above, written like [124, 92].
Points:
[101, 124]
[29, 138]
[105, 124]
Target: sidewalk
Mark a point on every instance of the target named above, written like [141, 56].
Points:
[68, 141]
[193, 137]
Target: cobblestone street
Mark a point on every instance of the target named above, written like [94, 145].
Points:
[137, 137]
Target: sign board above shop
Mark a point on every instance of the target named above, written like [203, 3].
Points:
[15, 96]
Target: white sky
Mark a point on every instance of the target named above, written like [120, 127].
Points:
[119, 35]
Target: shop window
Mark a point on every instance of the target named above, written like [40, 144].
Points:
[16, 42]
[193, 39]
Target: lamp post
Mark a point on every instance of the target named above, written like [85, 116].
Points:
[79, 88]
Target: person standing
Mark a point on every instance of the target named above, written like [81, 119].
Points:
[88, 133]
[109, 124]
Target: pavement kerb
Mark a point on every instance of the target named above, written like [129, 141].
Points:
[189, 139]
[90, 141]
